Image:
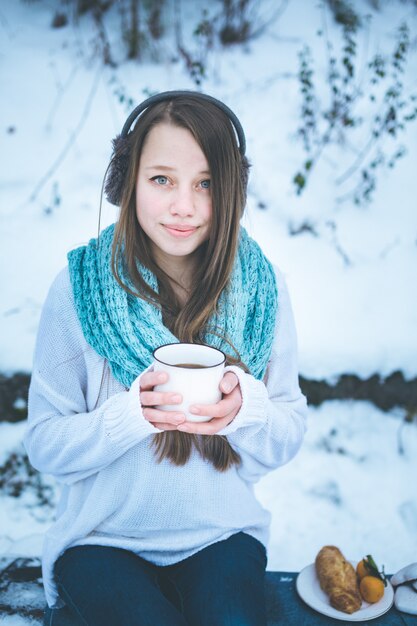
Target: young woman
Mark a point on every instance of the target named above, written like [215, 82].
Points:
[158, 523]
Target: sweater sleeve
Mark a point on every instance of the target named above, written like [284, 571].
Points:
[269, 428]
[63, 437]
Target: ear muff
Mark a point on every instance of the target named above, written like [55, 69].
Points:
[117, 170]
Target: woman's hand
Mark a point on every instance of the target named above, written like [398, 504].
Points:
[222, 413]
[164, 420]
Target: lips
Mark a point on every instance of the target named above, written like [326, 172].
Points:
[180, 230]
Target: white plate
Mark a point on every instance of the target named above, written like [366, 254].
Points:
[309, 590]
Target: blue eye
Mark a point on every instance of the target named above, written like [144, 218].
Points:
[161, 180]
[206, 184]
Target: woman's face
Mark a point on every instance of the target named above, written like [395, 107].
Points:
[173, 196]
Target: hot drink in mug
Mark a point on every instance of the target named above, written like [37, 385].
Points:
[195, 371]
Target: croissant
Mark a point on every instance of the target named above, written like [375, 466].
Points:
[338, 579]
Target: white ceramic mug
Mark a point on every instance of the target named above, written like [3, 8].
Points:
[195, 371]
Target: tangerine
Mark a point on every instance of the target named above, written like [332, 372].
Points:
[362, 569]
[371, 588]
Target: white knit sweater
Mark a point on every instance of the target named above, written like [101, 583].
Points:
[88, 431]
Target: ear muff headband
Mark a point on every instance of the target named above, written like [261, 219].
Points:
[118, 167]
[169, 95]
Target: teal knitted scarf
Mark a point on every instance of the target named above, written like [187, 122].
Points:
[125, 329]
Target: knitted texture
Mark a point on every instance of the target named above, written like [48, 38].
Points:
[88, 432]
[125, 329]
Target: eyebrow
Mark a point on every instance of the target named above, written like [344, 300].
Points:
[166, 168]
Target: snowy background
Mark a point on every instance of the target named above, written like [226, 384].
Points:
[352, 275]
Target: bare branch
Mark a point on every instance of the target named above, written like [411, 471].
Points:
[72, 138]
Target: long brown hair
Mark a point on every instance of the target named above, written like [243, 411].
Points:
[213, 131]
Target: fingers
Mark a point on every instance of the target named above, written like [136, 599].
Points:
[150, 379]
[232, 402]
[229, 382]
[164, 426]
[223, 413]
[164, 418]
[153, 398]
[150, 398]
[205, 428]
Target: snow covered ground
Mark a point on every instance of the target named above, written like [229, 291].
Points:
[349, 486]
[352, 283]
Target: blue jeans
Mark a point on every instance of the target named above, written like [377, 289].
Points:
[222, 585]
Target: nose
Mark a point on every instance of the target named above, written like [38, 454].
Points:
[183, 202]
